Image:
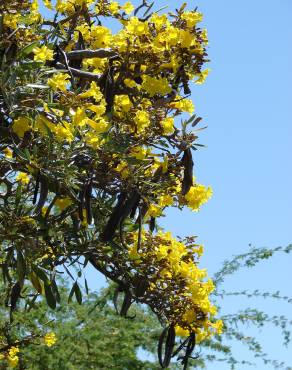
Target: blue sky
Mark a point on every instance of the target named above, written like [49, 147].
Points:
[246, 103]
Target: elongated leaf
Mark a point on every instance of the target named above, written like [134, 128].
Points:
[36, 282]
[40, 273]
[28, 49]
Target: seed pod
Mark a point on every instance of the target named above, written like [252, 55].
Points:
[122, 210]
[36, 189]
[169, 333]
[14, 295]
[188, 164]
[44, 190]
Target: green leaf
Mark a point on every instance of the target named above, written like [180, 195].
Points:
[18, 196]
[40, 273]
[21, 266]
[28, 49]
[35, 282]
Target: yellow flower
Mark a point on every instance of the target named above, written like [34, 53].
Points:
[50, 339]
[181, 332]
[113, 7]
[11, 20]
[192, 18]
[165, 200]
[93, 91]
[154, 85]
[136, 27]
[154, 210]
[139, 153]
[21, 125]
[202, 76]
[43, 53]
[13, 351]
[218, 326]
[12, 357]
[142, 120]
[8, 153]
[63, 203]
[23, 178]
[184, 105]
[99, 126]
[123, 102]
[100, 37]
[128, 7]
[197, 196]
[167, 125]
[59, 81]
[48, 4]
[123, 169]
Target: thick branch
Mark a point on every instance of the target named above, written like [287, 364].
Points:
[79, 73]
[100, 53]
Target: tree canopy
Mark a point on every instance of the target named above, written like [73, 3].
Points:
[95, 145]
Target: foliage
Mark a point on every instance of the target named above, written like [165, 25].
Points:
[92, 154]
[89, 336]
[92, 335]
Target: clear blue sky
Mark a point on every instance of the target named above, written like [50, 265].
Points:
[246, 103]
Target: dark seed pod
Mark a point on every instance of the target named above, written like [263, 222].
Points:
[188, 164]
[44, 191]
[14, 295]
[169, 334]
[122, 210]
[127, 302]
[141, 287]
[87, 195]
[36, 189]
[152, 224]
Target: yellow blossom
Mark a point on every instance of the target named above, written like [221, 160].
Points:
[165, 200]
[63, 203]
[23, 178]
[136, 27]
[48, 4]
[192, 18]
[21, 125]
[43, 53]
[113, 7]
[197, 196]
[202, 76]
[142, 120]
[123, 169]
[50, 339]
[184, 105]
[59, 81]
[167, 125]
[154, 85]
[128, 7]
[8, 153]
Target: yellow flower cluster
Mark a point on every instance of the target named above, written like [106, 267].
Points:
[12, 356]
[197, 196]
[50, 339]
[172, 261]
[156, 85]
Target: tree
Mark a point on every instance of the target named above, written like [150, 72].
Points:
[92, 154]
[92, 335]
